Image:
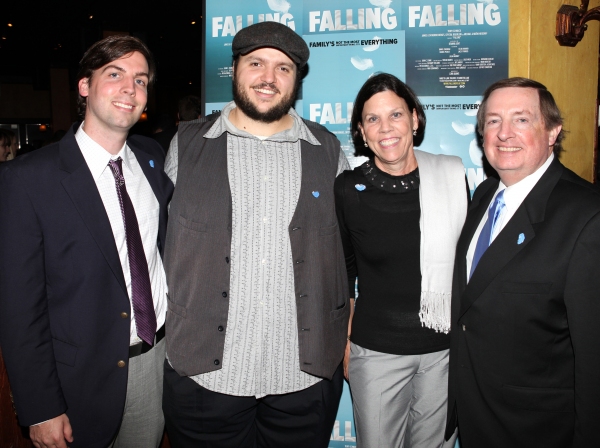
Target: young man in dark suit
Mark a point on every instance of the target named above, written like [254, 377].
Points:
[82, 286]
[525, 348]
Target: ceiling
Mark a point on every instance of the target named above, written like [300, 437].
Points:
[35, 36]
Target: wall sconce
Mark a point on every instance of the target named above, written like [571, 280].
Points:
[144, 116]
[571, 22]
[43, 128]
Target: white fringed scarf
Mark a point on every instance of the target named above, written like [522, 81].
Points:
[443, 200]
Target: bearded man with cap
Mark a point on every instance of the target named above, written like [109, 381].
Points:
[258, 304]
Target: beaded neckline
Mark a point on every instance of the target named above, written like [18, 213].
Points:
[387, 182]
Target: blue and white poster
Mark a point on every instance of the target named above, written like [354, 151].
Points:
[447, 51]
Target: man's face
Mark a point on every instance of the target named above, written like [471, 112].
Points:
[264, 84]
[4, 150]
[515, 139]
[116, 94]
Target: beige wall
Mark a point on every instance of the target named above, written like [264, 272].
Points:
[570, 73]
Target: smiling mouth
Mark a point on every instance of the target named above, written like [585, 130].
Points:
[389, 142]
[123, 105]
[266, 89]
[511, 149]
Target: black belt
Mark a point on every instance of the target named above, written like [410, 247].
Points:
[143, 347]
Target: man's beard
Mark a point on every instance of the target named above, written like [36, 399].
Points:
[275, 113]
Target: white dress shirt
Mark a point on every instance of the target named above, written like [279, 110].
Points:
[146, 210]
[513, 198]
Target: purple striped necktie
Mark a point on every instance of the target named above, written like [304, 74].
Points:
[141, 291]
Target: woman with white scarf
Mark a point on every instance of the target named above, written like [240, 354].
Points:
[400, 216]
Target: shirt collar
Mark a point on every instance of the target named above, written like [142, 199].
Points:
[299, 130]
[516, 193]
[97, 157]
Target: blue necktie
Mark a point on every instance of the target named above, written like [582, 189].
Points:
[485, 236]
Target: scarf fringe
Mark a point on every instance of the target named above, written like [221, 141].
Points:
[435, 310]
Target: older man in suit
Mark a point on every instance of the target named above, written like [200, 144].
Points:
[525, 350]
[82, 286]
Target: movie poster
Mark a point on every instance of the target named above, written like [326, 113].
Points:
[447, 51]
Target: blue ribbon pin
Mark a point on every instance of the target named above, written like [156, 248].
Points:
[152, 163]
[360, 187]
[521, 238]
[315, 194]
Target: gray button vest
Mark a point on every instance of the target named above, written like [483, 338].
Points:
[198, 246]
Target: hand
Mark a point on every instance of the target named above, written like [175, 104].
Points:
[55, 433]
[347, 361]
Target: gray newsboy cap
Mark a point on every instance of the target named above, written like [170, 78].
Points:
[271, 34]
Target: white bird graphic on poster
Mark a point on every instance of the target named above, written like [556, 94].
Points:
[361, 64]
[381, 3]
[372, 47]
[463, 128]
[279, 5]
[475, 153]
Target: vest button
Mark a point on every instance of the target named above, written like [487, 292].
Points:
[299, 261]
[220, 328]
[224, 294]
[296, 228]
[217, 362]
[226, 259]
[124, 315]
[121, 363]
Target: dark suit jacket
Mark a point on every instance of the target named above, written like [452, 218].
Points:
[525, 339]
[62, 289]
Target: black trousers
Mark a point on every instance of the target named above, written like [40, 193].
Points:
[197, 417]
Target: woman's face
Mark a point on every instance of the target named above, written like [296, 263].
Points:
[387, 127]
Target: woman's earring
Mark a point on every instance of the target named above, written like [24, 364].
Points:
[415, 132]
[366, 146]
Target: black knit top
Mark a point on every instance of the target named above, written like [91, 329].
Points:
[378, 215]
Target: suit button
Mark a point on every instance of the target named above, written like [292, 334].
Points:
[124, 315]
[121, 363]
[217, 362]
[464, 327]
[224, 294]
[226, 259]
[220, 328]
[299, 261]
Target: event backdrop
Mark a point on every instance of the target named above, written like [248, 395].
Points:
[447, 51]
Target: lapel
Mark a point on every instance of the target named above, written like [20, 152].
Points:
[81, 188]
[159, 182]
[479, 205]
[505, 247]
[150, 171]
